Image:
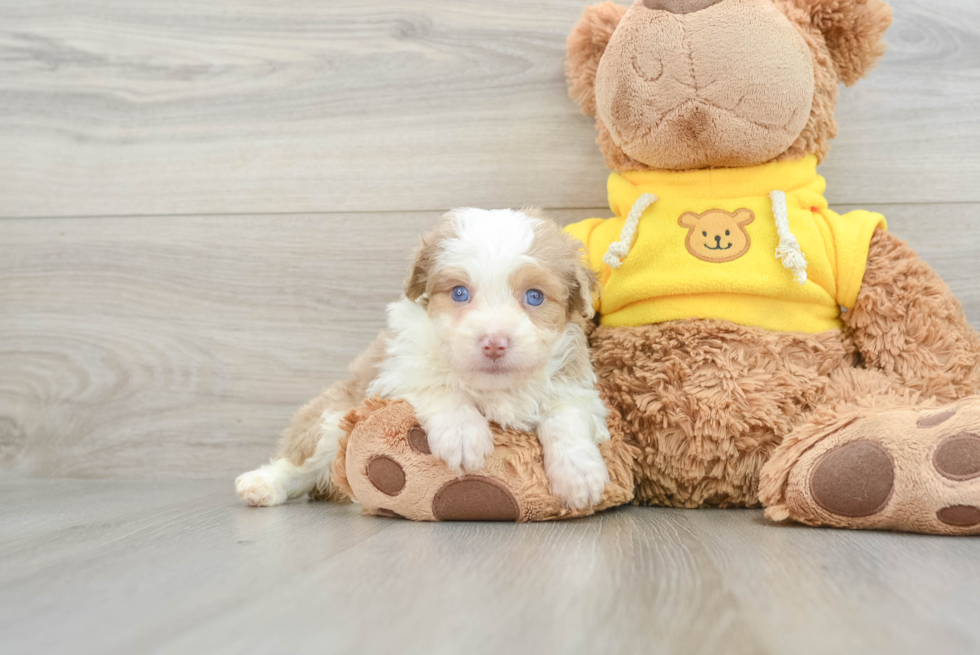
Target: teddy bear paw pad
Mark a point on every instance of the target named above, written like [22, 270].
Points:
[958, 457]
[475, 498]
[961, 516]
[386, 475]
[418, 440]
[387, 513]
[934, 419]
[855, 479]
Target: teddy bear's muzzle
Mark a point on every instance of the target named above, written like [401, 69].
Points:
[679, 6]
[703, 89]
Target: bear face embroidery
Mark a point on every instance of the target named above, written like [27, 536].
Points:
[717, 236]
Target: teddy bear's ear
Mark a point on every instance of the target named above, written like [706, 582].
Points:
[586, 44]
[853, 30]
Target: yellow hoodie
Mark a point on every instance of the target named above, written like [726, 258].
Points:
[755, 246]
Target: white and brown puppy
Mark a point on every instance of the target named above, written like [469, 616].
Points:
[490, 329]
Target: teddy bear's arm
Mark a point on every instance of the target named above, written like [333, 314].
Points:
[907, 323]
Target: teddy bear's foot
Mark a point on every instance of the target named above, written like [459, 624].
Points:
[909, 469]
[385, 464]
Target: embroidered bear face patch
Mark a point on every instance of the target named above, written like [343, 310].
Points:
[716, 235]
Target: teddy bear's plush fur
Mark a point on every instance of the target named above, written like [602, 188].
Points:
[872, 425]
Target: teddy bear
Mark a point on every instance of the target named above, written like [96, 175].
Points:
[753, 347]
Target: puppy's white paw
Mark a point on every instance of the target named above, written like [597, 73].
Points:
[578, 476]
[463, 445]
[259, 489]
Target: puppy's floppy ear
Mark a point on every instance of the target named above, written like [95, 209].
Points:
[853, 30]
[585, 45]
[418, 274]
[425, 256]
[584, 289]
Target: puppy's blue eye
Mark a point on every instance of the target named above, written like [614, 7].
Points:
[534, 297]
[461, 294]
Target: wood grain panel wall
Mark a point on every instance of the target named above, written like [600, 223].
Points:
[204, 207]
[134, 347]
[134, 107]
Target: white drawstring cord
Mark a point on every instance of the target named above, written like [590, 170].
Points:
[788, 249]
[619, 249]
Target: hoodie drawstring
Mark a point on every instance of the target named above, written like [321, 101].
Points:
[619, 249]
[788, 251]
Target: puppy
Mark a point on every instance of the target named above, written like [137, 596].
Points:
[490, 329]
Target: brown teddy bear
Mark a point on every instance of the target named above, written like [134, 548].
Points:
[754, 347]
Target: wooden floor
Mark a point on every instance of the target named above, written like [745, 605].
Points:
[107, 567]
[204, 207]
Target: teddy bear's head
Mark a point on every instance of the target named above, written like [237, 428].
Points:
[689, 84]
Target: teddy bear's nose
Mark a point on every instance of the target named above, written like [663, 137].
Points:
[680, 6]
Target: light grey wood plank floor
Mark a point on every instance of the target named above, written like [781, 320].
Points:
[180, 346]
[133, 107]
[107, 567]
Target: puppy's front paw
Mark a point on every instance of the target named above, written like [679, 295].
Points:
[578, 475]
[462, 444]
[259, 489]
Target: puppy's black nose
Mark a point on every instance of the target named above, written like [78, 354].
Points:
[679, 6]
